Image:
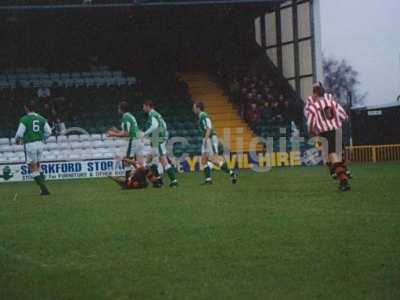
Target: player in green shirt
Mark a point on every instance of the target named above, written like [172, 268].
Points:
[33, 129]
[209, 148]
[130, 130]
[156, 130]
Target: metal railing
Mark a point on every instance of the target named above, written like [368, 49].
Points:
[373, 153]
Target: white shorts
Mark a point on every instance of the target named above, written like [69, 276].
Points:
[33, 152]
[160, 150]
[211, 147]
[147, 150]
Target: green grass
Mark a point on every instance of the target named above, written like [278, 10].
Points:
[286, 234]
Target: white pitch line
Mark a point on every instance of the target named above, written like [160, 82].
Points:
[15, 197]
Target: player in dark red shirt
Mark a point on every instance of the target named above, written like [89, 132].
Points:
[139, 178]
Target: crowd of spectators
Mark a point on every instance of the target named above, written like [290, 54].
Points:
[260, 101]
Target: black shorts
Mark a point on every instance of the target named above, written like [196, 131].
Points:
[330, 136]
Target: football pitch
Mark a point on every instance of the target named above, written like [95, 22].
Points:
[285, 234]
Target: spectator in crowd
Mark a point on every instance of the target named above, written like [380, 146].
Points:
[245, 81]
[234, 90]
[253, 115]
[270, 99]
[250, 97]
[243, 92]
[259, 99]
[59, 127]
[43, 93]
[276, 114]
[254, 91]
[266, 112]
[260, 85]
[265, 90]
[287, 111]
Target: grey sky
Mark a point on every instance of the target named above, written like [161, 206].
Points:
[367, 34]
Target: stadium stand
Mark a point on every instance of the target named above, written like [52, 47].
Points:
[79, 80]
[91, 109]
[88, 100]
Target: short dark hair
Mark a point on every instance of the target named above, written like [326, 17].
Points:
[318, 89]
[30, 105]
[124, 106]
[149, 103]
[199, 105]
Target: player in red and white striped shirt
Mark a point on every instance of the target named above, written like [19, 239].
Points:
[324, 118]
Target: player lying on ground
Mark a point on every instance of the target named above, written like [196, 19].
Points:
[33, 129]
[209, 148]
[129, 129]
[157, 132]
[138, 179]
[325, 118]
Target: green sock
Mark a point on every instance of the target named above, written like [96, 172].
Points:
[224, 167]
[207, 172]
[40, 182]
[171, 173]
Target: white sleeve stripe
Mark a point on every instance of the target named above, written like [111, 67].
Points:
[47, 129]
[154, 123]
[153, 127]
[21, 131]
[208, 123]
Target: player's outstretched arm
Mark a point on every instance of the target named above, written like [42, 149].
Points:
[154, 126]
[130, 162]
[112, 132]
